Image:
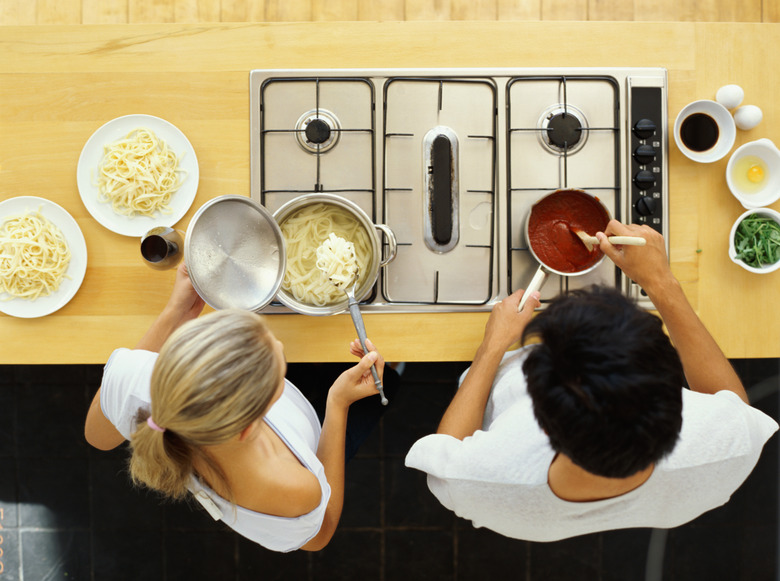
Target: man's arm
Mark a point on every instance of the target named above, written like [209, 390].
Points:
[504, 327]
[705, 365]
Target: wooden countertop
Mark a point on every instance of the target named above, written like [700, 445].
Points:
[58, 84]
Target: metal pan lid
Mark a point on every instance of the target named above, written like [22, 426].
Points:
[235, 255]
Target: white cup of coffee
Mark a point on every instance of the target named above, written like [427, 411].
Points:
[705, 131]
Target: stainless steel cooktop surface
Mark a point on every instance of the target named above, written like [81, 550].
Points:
[453, 159]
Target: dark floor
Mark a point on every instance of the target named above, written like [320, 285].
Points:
[68, 513]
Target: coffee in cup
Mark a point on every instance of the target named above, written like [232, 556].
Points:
[704, 131]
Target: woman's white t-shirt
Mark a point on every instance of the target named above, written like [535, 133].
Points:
[125, 390]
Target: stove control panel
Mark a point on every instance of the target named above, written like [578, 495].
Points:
[647, 141]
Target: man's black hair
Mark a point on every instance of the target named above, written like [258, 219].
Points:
[605, 381]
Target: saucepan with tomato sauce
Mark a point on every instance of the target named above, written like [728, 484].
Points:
[550, 230]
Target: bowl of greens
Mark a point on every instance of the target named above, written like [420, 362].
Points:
[755, 240]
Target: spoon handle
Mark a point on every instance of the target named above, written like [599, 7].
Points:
[624, 240]
[627, 240]
[360, 327]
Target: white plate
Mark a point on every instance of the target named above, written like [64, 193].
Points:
[92, 155]
[41, 306]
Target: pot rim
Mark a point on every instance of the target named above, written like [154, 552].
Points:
[543, 264]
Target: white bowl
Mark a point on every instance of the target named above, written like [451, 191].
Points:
[770, 192]
[727, 130]
[767, 212]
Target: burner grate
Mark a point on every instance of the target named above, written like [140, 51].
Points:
[554, 127]
[437, 276]
[319, 133]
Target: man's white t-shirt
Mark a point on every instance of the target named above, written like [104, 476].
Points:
[497, 478]
[125, 390]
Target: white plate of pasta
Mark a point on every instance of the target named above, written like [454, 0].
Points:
[137, 172]
[43, 257]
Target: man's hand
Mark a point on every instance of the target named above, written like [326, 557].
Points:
[647, 265]
[506, 325]
[706, 368]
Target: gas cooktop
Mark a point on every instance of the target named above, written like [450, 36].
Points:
[453, 159]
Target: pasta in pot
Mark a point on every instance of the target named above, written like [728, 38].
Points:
[34, 257]
[336, 259]
[138, 174]
[304, 231]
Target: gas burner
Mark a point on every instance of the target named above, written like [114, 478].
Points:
[317, 131]
[563, 129]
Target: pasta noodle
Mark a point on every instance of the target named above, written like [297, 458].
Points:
[138, 174]
[304, 231]
[336, 258]
[34, 257]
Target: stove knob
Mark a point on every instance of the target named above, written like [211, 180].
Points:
[644, 179]
[645, 205]
[644, 128]
[644, 154]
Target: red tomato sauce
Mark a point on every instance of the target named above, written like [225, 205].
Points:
[551, 229]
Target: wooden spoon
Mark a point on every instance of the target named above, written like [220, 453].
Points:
[591, 241]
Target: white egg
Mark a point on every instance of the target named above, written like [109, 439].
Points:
[748, 117]
[730, 96]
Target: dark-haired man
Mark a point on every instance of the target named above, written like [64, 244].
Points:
[590, 429]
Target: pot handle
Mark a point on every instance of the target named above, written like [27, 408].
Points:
[536, 283]
[391, 243]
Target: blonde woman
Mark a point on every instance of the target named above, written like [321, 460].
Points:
[212, 416]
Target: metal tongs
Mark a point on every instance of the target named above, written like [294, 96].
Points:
[357, 320]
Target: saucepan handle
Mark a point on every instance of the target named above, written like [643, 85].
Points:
[392, 244]
[536, 283]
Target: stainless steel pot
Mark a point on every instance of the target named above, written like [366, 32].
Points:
[540, 276]
[375, 263]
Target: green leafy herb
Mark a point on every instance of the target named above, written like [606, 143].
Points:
[757, 241]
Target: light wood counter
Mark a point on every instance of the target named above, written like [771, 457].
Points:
[59, 84]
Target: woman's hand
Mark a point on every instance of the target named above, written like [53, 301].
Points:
[354, 384]
[184, 303]
[357, 382]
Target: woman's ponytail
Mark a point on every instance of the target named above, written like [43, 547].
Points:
[214, 376]
[160, 460]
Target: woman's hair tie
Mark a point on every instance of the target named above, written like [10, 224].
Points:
[151, 424]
